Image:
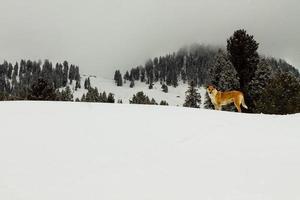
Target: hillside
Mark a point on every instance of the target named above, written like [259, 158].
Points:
[175, 96]
[52, 150]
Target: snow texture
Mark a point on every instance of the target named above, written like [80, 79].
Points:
[55, 150]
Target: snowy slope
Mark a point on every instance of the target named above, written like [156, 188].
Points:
[175, 96]
[135, 152]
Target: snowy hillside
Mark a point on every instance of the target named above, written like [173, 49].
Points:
[136, 152]
[175, 96]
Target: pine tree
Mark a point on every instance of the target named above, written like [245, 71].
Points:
[87, 83]
[163, 103]
[110, 98]
[242, 50]
[131, 84]
[140, 98]
[257, 85]
[153, 102]
[77, 86]
[193, 98]
[66, 95]
[281, 95]
[41, 90]
[164, 88]
[118, 78]
[83, 98]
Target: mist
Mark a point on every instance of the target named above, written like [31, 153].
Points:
[102, 36]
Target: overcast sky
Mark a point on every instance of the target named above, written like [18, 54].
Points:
[103, 35]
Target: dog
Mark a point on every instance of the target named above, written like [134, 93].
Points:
[220, 99]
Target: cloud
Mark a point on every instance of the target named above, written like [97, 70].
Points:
[101, 36]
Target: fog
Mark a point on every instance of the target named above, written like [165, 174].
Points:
[101, 36]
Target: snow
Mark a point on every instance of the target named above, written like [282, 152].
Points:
[174, 97]
[55, 150]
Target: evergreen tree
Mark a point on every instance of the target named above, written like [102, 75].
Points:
[110, 98]
[77, 85]
[164, 88]
[193, 98]
[150, 86]
[257, 85]
[41, 90]
[65, 73]
[118, 78]
[242, 50]
[140, 98]
[281, 95]
[103, 97]
[153, 102]
[83, 98]
[163, 103]
[131, 84]
[66, 95]
[87, 83]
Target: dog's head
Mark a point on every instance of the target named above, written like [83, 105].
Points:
[210, 89]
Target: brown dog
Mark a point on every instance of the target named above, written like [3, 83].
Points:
[220, 99]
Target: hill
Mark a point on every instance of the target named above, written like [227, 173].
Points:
[175, 96]
[52, 150]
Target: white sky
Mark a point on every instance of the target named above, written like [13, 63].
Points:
[101, 36]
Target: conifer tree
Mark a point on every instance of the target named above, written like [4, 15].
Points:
[131, 84]
[281, 95]
[257, 85]
[163, 103]
[110, 98]
[193, 98]
[242, 51]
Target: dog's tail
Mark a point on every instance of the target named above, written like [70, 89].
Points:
[243, 103]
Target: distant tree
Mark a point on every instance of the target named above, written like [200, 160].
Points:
[150, 86]
[41, 90]
[164, 88]
[110, 98]
[87, 84]
[77, 86]
[149, 71]
[103, 97]
[131, 84]
[163, 103]
[83, 98]
[118, 78]
[66, 95]
[193, 98]
[140, 98]
[153, 102]
[127, 76]
[65, 73]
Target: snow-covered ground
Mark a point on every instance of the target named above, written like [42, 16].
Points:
[55, 150]
[174, 97]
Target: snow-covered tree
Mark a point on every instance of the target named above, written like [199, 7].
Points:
[193, 98]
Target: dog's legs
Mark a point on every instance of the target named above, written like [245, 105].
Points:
[218, 107]
[238, 107]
